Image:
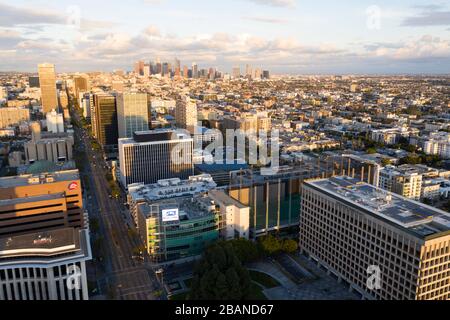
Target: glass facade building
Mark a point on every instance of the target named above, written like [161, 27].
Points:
[198, 225]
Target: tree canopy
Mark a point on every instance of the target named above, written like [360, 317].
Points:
[219, 275]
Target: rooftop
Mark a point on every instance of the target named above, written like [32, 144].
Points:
[170, 188]
[418, 218]
[30, 179]
[189, 207]
[44, 244]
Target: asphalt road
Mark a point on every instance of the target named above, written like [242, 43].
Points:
[124, 277]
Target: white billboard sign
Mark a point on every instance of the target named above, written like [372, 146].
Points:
[170, 215]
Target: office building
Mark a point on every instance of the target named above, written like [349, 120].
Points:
[353, 229]
[180, 228]
[47, 83]
[45, 265]
[44, 146]
[194, 70]
[274, 200]
[132, 113]
[106, 129]
[81, 84]
[236, 72]
[30, 203]
[12, 117]
[63, 99]
[33, 82]
[248, 71]
[139, 67]
[168, 188]
[155, 155]
[85, 104]
[186, 114]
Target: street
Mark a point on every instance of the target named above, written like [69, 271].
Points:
[124, 278]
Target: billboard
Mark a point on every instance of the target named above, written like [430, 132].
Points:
[170, 215]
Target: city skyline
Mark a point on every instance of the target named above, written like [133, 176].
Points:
[284, 36]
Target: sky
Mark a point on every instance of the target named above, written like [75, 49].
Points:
[283, 36]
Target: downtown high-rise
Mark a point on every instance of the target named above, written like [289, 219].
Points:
[47, 82]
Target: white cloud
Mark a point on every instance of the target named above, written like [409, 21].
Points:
[275, 3]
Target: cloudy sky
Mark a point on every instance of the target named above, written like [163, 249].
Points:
[284, 36]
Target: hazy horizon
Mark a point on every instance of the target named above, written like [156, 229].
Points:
[288, 37]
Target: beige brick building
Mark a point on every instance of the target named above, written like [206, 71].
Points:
[348, 227]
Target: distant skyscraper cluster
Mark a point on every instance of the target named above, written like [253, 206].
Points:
[174, 70]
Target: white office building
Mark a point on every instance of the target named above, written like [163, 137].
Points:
[48, 265]
[155, 155]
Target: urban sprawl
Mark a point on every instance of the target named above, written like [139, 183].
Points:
[123, 185]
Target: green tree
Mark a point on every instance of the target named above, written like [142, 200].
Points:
[385, 162]
[270, 245]
[219, 275]
[246, 250]
[290, 246]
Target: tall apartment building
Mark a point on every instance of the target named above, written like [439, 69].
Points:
[106, 129]
[11, 117]
[353, 228]
[155, 155]
[186, 114]
[133, 113]
[405, 180]
[47, 83]
[438, 143]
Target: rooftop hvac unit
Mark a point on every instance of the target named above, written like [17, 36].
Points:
[33, 180]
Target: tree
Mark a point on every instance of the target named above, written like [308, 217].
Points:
[270, 245]
[290, 246]
[246, 250]
[371, 150]
[385, 162]
[219, 275]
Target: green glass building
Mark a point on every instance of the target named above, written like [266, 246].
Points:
[179, 228]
